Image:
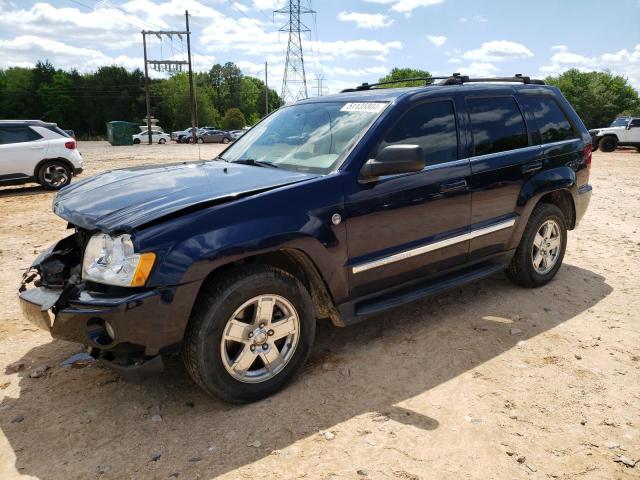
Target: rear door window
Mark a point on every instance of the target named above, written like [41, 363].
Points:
[17, 134]
[497, 124]
[553, 124]
[431, 125]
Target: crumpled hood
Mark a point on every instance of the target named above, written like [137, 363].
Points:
[121, 200]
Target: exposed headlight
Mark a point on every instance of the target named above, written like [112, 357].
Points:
[112, 260]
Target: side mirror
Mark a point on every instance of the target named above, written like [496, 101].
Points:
[394, 159]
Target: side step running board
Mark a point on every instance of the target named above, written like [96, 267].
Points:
[415, 292]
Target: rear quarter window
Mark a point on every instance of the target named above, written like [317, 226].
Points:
[18, 134]
[497, 124]
[553, 124]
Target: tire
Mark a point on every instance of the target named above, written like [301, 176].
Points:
[522, 269]
[54, 175]
[162, 141]
[136, 141]
[213, 363]
[200, 140]
[637, 149]
[225, 140]
[608, 144]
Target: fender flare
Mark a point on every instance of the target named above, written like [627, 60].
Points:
[560, 179]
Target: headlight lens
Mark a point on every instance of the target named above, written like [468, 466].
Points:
[112, 260]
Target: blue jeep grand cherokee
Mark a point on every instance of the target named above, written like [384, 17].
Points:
[335, 207]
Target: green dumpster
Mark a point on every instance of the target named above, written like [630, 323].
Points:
[119, 132]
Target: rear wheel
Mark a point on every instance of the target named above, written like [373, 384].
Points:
[541, 250]
[225, 140]
[250, 334]
[162, 141]
[200, 140]
[54, 175]
[608, 144]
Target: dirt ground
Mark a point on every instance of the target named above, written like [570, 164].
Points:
[489, 381]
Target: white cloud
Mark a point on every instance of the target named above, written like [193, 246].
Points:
[365, 20]
[265, 4]
[437, 40]
[560, 48]
[623, 62]
[25, 50]
[497, 50]
[406, 6]
[479, 69]
[97, 28]
[475, 18]
[359, 72]
[241, 7]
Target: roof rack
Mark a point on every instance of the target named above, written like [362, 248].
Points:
[454, 79]
[368, 86]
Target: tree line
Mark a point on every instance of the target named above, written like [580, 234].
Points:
[598, 97]
[85, 102]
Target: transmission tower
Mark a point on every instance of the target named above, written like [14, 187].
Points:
[294, 82]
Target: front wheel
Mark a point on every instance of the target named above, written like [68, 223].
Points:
[225, 140]
[250, 333]
[200, 140]
[608, 144]
[541, 249]
[162, 141]
[136, 141]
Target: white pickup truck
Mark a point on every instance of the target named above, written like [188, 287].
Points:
[623, 132]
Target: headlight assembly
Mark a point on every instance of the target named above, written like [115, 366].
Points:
[112, 260]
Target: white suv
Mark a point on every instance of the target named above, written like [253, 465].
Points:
[623, 132]
[36, 151]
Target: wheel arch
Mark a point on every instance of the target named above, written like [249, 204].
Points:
[297, 263]
[39, 165]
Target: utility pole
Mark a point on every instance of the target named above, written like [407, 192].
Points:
[169, 66]
[192, 102]
[294, 82]
[266, 91]
[146, 87]
[319, 87]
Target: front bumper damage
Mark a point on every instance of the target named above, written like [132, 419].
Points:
[127, 329]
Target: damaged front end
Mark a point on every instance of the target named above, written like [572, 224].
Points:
[52, 279]
[124, 328]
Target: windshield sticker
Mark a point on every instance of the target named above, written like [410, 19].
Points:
[374, 107]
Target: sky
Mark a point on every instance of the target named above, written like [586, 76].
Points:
[350, 41]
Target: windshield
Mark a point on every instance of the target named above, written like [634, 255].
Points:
[307, 137]
[619, 122]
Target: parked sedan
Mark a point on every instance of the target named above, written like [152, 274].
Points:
[236, 134]
[156, 137]
[214, 136]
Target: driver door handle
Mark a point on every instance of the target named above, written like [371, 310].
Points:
[453, 186]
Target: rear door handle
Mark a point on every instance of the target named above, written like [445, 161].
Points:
[532, 166]
[38, 147]
[453, 186]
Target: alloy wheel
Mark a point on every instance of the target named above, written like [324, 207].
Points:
[546, 247]
[260, 338]
[55, 176]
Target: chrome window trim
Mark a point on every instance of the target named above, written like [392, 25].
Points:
[523, 149]
[396, 257]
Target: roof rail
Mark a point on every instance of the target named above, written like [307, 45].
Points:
[453, 79]
[457, 79]
[368, 86]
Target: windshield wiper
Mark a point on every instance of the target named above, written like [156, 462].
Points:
[253, 161]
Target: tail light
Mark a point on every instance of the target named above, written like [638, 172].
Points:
[588, 153]
[71, 145]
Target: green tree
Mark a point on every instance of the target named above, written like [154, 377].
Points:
[402, 73]
[233, 119]
[598, 97]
